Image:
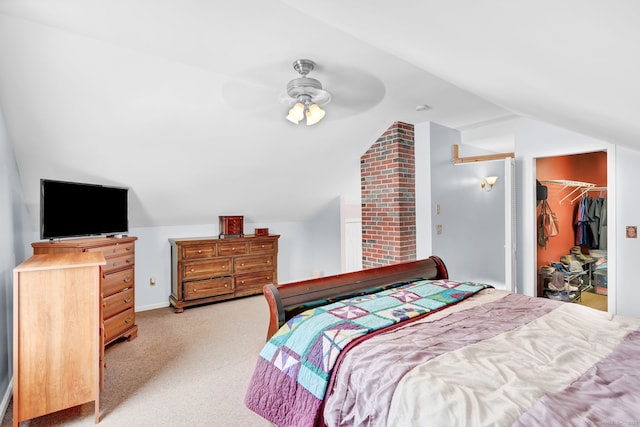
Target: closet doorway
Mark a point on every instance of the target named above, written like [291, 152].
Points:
[574, 189]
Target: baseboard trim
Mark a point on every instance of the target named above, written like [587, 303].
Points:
[6, 399]
[152, 306]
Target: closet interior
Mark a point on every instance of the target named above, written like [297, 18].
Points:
[572, 228]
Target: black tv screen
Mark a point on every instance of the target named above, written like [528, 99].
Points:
[73, 209]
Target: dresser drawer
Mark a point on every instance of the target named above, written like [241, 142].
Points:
[115, 250]
[208, 288]
[119, 323]
[205, 269]
[116, 303]
[252, 283]
[261, 246]
[248, 264]
[199, 251]
[232, 248]
[118, 263]
[118, 281]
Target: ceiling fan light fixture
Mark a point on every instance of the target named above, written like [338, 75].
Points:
[314, 114]
[307, 93]
[296, 113]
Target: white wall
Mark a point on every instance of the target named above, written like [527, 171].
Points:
[473, 232]
[14, 226]
[627, 212]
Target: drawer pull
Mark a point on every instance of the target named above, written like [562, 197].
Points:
[127, 299]
[128, 261]
[262, 246]
[199, 251]
[127, 279]
[242, 282]
[242, 265]
[226, 285]
[195, 290]
[127, 320]
[193, 269]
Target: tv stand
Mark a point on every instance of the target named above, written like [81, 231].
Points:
[117, 279]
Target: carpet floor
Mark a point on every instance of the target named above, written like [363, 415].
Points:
[593, 300]
[188, 369]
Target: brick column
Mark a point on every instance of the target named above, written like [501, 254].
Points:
[387, 174]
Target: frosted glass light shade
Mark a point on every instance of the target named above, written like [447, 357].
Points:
[314, 114]
[296, 113]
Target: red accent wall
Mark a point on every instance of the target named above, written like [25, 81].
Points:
[387, 173]
[590, 167]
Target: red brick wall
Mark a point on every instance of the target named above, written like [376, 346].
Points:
[387, 174]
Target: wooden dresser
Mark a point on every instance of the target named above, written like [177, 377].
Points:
[57, 345]
[209, 269]
[117, 279]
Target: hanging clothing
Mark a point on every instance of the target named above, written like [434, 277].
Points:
[602, 232]
[584, 234]
[590, 223]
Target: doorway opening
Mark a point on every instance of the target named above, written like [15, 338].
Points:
[571, 211]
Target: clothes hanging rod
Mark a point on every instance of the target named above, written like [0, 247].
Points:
[586, 190]
[577, 186]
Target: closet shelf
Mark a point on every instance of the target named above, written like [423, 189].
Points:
[576, 186]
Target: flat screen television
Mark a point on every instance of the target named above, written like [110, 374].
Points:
[74, 209]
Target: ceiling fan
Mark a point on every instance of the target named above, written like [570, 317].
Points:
[306, 95]
[258, 91]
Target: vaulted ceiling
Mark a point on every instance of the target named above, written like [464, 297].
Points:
[179, 100]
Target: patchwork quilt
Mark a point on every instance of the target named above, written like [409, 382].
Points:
[294, 368]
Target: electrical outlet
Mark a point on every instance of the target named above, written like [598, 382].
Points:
[439, 229]
[438, 209]
[152, 281]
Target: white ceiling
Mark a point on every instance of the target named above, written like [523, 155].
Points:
[178, 100]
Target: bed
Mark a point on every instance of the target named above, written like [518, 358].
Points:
[404, 345]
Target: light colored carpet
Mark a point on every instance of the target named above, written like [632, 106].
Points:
[188, 369]
[593, 300]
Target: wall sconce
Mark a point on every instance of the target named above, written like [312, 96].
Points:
[488, 182]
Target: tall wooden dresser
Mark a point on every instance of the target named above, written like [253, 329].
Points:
[209, 269]
[117, 279]
[56, 341]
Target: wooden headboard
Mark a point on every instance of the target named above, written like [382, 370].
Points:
[287, 300]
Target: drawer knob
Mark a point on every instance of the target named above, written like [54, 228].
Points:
[242, 282]
[127, 320]
[127, 279]
[193, 269]
[127, 299]
[195, 290]
[262, 246]
[199, 251]
[128, 249]
[226, 285]
[242, 265]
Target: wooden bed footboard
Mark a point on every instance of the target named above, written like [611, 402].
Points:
[287, 300]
